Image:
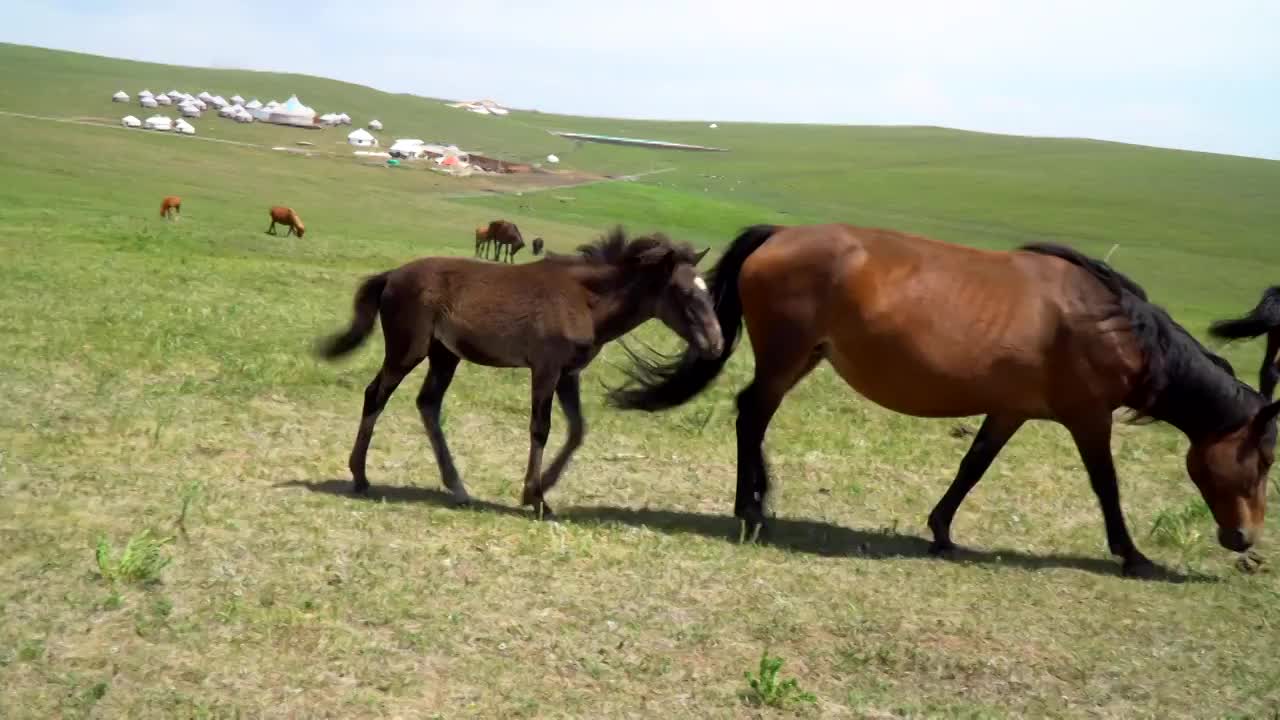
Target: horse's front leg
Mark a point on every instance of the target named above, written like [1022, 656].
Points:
[543, 388]
[567, 390]
[271, 230]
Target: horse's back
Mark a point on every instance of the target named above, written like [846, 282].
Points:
[922, 326]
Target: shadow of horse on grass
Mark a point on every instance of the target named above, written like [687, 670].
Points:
[811, 537]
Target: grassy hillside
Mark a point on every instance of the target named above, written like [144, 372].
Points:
[157, 376]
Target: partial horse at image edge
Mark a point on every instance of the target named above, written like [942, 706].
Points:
[1263, 319]
[934, 329]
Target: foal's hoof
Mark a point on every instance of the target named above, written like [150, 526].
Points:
[1140, 568]
[752, 531]
[942, 549]
[544, 511]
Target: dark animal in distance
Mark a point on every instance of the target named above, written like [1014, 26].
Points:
[932, 329]
[1263, 319]
[551, 316]
[537, 246]
[287, 217]
[171, 207]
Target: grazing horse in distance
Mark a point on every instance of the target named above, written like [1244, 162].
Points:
[171, 207]
[285, 216]
[1263, 319]
[537, 246]
[506, 239]
[551, 316]
[932, 329]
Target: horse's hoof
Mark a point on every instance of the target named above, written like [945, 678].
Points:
[1140, 568]
[461, 502]
[942, 549]
[751, 531]
[360, 487]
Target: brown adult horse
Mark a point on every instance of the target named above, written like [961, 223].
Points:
[506, 239]
[285, 216]
[932, 329]
[170, 206]
[502, 235]
[551, 316]
[1263, 319]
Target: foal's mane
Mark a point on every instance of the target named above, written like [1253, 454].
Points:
[615, 248]
[1185, 384]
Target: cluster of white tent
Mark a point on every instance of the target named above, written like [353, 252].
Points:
[159, 122]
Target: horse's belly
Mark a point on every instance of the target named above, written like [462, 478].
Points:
[906, 381]
[481, 351]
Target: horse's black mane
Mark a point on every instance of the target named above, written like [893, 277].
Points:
[1186, 385]
[614, 248]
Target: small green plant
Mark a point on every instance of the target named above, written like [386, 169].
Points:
[140, 562]
[190, 495]
[1180, 528]
[768, 689]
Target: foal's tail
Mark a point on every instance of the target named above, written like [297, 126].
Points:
[368, 298]
[672, 381]
[1262, 319]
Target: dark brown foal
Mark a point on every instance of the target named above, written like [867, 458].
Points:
[551, 316]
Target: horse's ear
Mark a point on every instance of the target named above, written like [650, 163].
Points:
[698, 258]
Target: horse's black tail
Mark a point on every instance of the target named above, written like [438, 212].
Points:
[670, 381]
[368, 298]
[1263, 318]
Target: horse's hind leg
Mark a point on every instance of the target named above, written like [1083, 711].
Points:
[988, 443]
[1270, 371]
[1093, 439]
[543, 387]
[442, 364]
[568, 392]
[394, 367]
[778, 370]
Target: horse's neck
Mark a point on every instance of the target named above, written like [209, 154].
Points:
[618, 303]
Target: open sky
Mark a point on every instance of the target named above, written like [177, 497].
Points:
[1174, 73]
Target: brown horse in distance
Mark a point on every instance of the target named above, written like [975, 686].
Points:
[552, 317]
[932, 329]
[285, 216]
[170, 207]
[1263, 319]
[503, 236]
[537, 246]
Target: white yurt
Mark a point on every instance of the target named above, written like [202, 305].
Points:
[121, 96]
[130, 121]
[237, 100]
[218, 101]
[362, 138]
[189, 110]
[344, 119]
[375, 125]
[158, 122]
[184, 127]
[205, 96]
[244, 116]
[200, 104]
[253, 104]
[174, 94]
[145, 93]
[162, 100]
[148, 102]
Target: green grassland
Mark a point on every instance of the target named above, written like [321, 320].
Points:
[158, 376]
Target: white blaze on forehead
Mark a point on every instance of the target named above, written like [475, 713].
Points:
[702, 284]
